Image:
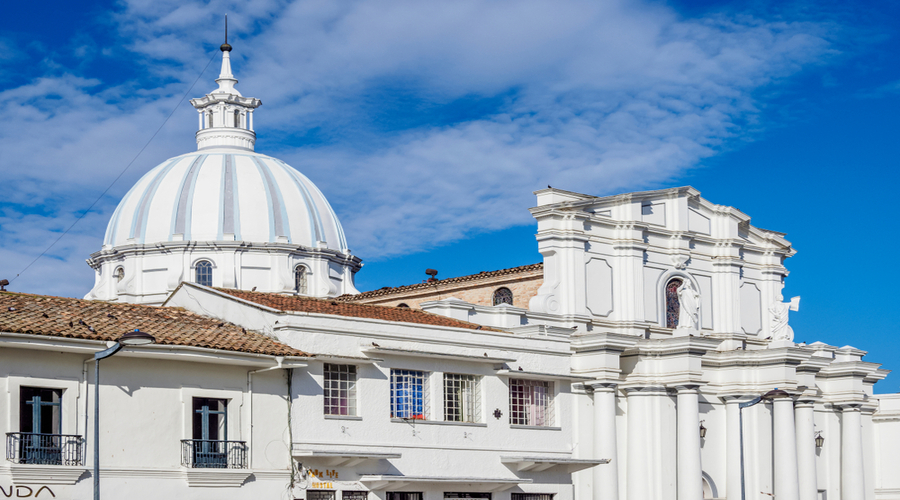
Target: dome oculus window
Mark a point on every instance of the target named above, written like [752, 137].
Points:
[300, 280]
[203, 273]
[503, 296]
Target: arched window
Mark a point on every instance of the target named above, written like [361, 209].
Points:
[119, 274]
[237, 118]
[403, 304]
[300, 280]
[672, 304]
[209, 120]
[203, 273]
[503, 296]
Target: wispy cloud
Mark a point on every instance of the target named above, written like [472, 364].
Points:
[421, 121]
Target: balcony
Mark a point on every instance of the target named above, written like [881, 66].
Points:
[44, 449]
[205, 454]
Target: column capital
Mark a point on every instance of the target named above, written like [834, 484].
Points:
[681, 388]
[648, 390]
[601, 385]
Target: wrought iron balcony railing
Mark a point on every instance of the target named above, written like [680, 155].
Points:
[204, 454]
[44, 449]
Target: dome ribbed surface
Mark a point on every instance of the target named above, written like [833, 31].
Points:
[210, 196]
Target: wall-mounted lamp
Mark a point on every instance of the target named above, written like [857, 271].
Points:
[702, 430]
[819, 439]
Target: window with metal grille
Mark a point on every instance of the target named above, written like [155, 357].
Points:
[319, 495]
[404, 495]
[530, 402]
[203, 273]
[450, 494]
[503, 296]
[409, 394]
[532, 496]
[300, 280]
[340, 389]
[354, 495]
[462, 398]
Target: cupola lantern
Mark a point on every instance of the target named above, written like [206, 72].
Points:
[225, 116]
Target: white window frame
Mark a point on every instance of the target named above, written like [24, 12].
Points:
[335, 380]
[531, 402]
[466, 406]
[402, 383]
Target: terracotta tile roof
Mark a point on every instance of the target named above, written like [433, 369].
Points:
[332, 306]
[423, 286]
[95, 320]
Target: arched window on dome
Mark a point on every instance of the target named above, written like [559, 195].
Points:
[237, 119]
[672, 305]
[203, 273]
[300, 285]
[503, 296]
[119, 274]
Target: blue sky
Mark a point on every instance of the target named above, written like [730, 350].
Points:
[428, 125]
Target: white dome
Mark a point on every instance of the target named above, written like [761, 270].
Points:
[226, 195]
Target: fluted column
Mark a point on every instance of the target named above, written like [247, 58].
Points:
[606, 476]
[785, 449]
[852, 471]
[806, 450]
[732, 448]
[690, 472]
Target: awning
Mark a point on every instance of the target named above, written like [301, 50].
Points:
[377, 482]
[344, 458]
[538, 464]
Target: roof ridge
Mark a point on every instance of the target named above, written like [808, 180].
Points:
[392, 310]
[455, 279]
[69, 317]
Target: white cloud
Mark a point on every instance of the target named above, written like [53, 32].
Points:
[595, 97]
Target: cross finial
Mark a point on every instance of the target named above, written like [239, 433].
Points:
[225, 47]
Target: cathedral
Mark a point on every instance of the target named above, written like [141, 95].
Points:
[649, 355]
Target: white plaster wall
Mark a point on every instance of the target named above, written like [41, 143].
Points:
[145, 412]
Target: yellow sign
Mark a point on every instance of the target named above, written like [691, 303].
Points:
[330, 473]
[322, 486]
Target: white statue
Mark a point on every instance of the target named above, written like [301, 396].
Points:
[779, 310]
[689, 307]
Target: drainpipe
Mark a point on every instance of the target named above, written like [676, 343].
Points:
[279, 360]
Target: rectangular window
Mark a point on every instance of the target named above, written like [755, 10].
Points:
[39, 410]
[404, 495]
[319, 495]
[354, 495]
[462, 398]
[340, 389]
[530, 402]
[448, 494]
[409, 394]
[40, 439]
[210, 430]
[532, 496]
[210, 419]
